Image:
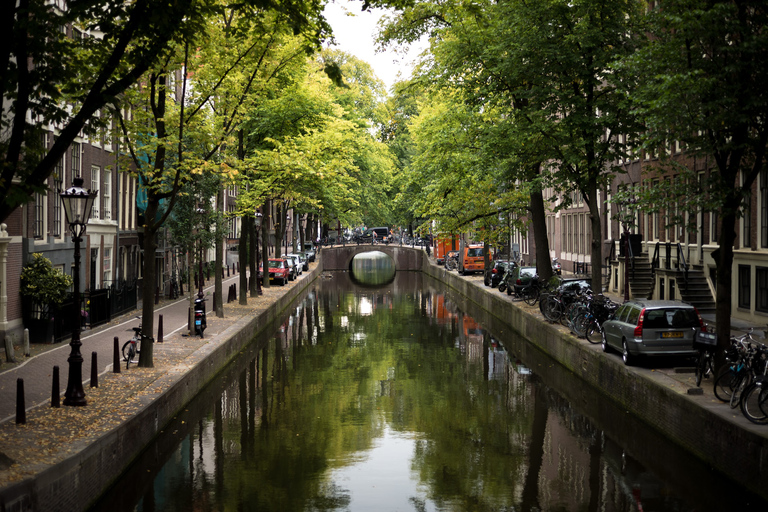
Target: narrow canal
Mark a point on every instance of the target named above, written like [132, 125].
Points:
[395, 398]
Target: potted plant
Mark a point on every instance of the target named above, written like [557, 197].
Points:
[43, 288]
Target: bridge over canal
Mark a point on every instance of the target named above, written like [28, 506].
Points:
[340, 257]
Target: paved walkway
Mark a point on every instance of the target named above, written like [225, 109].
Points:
[37, 371]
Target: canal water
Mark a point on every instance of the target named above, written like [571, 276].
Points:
[402, 398]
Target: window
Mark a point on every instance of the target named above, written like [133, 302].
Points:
[107, 266]
[764, 208]
[58, 185]
[761, 296]
[746, 221]
[39, 216]
[745, 292]
[95, 174]
[75, 158]
[106, 193]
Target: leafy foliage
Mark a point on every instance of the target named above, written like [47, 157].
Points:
[42, 283]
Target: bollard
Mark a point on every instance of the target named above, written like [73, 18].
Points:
[181, 287]
[238, 266]
[116, 357]
[222, 273]
[160, 328]
[21, 410]
[94, 370]
[227, 270]
[213, 307]
[55, 392]
[26, 342]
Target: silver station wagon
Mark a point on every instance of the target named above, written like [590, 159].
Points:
[652, 328]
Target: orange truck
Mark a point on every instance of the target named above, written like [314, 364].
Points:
[443, 244]
[471, 259]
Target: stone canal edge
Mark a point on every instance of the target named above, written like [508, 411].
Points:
[700, 424]
[712, 432]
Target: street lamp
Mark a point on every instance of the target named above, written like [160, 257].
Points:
[626, 218]
[257, 224]
[77, 203]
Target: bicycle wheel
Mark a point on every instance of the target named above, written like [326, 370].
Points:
[724, 385]
[579, 323]
[593, 332]
[744, 380]
[754, 403]
[553, 309]
[131, 354]
[531, 295]
[125, 349]
[701, 363]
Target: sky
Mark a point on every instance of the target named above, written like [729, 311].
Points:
[355, 35]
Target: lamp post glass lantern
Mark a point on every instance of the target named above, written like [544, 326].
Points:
[77, 203]
[257, 224]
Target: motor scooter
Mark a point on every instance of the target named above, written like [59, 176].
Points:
[557, 268]
[200, 323]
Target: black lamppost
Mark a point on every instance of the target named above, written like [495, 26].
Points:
[77, 203]
[257, 224]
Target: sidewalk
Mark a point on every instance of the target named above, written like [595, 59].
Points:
[52, 435]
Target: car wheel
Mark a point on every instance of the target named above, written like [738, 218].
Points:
[604, 343]
[625, 355]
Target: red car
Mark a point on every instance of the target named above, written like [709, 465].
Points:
[278, 271]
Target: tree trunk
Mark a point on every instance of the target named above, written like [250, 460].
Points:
[724, 260]
[146, 356]
[218, 264]
[265, 222]
[539, 222]
[242, 257]
[279, 229]
[253, 265]
[596, 256]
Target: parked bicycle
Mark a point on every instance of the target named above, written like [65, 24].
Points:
[743, 366]
[589, 320]
[705, 344]
[131, 347]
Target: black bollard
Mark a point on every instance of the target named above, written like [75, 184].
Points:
[181, 287]
[55, 393]
[94, 370]
[21, 410]
[160, 328]
[238, 266]
[227, 270]
[116, 357]
[213, 307]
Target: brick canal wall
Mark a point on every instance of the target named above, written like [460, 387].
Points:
[700, 424]
[77, 482]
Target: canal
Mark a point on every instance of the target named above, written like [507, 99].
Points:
[397, 398]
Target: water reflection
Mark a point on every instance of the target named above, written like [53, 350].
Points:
[373, 268]
[394, 399]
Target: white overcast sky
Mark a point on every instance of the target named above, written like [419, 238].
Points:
[356, 34]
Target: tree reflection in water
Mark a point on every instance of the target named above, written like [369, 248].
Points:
[391, 398]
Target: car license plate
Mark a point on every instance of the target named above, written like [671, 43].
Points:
[672, 335]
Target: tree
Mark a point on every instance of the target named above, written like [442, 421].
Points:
[546, 66]
[107, 45]
[703, 72]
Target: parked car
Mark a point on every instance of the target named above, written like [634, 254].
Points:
[309, 250]
[301, 262]
[496, 274]
[293, 269]
[652, 327]
[278, 270]
[521, 278]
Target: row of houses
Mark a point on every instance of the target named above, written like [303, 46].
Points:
[672, 257]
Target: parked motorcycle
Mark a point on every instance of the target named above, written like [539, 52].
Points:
[557, 268]
[200, 323]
